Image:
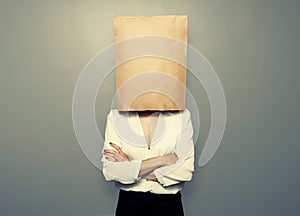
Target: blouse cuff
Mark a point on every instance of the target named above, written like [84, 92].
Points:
[159, 176]
[138, 168]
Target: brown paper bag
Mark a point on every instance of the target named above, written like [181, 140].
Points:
[151, 62]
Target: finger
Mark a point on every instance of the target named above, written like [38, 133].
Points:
[111, 159]
[118, 158]
[109, 151]
[115, 155]
[119, 150]
[122, 155]
[110, 154]
[116, 147]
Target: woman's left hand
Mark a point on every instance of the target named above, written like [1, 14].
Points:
[116, 155]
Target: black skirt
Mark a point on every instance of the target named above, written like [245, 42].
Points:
[131, 203]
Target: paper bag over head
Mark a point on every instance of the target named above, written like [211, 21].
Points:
[151, 62]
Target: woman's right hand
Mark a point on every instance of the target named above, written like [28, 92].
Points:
[116, 155]
[169, 159]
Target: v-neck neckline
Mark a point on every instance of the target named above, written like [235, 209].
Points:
[142, 130]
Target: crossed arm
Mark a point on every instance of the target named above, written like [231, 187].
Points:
[168, 169]
[147, 166]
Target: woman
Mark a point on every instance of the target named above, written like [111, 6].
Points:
[150, 170]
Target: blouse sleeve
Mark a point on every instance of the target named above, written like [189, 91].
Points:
[183, 169]
[125, 172]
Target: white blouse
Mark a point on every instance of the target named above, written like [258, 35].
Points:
[173, 133]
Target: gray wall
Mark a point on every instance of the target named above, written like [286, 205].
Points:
[252, 45]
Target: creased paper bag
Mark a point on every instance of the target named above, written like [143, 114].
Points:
[151, 62]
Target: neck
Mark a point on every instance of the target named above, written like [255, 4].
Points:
[146, 113]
